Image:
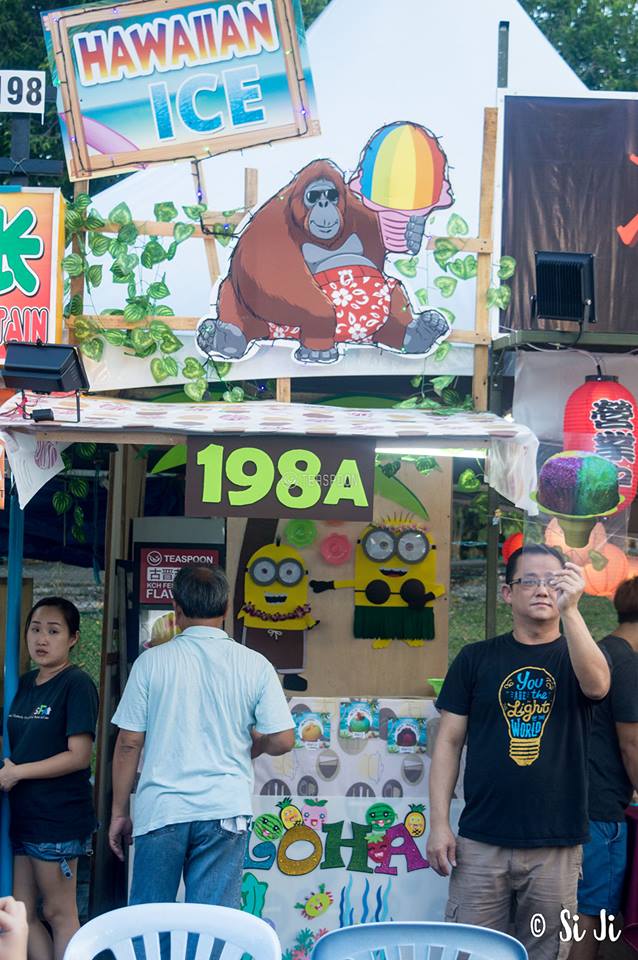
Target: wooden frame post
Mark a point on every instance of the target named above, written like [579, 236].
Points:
[484, 259]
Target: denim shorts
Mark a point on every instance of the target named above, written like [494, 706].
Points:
[604, 864]
[60, 852]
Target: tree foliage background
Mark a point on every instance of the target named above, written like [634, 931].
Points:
[597, 38]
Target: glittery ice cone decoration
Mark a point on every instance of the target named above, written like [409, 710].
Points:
[577, 488]
[576, 530]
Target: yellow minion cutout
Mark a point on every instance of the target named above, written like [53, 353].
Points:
[394, 583]
[276, 612]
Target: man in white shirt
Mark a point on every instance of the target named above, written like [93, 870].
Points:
[201, 706]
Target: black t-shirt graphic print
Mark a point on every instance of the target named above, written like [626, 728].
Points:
[41, 719]
[527, 742]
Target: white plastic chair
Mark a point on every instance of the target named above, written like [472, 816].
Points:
[422, 940]
[241, 933]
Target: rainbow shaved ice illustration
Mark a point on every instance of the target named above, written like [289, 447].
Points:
[402, 175]
[577, 488]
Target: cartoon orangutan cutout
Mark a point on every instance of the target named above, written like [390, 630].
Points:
[309, 268]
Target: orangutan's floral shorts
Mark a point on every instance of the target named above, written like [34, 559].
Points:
[361, 297]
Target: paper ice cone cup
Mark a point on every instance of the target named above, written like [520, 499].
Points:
[577, 530]
[393, 224]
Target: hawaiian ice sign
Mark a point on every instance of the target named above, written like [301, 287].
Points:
[165, 79]
[31, 244]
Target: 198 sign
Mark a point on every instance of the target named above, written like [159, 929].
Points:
[278, 479]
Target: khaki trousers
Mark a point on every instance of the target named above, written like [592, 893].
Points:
[509, 889]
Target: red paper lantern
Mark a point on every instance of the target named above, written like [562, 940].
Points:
[600, 417]
[514, 542]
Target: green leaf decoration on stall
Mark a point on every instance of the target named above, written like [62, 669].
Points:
[73, 264]
[152, 253]
[170, 343]
[196, 389]
[464, 268]
[194, 212]
[78, 487]
[468, 481]
[82, 329]
[440, 383]
[158, 370]
[407, 268]
[182, 231]
[394, 490]
[223, 233]
[127, 233]
[427, 465]
[73, 219]
[165, 212]
[422, 296]
[446, 285]
[193, 369]
[457, 226]
[98, 244]
[506, 268]
[94, 221]
[234, 395]
[442, 351]
[86, 451]
[133, 313]
[62, 502]
[117, 338]
[75, 305]
[141, 340]
[499, 297]
[94, 274]
[92, 348]
[121, 214]
[158, 290]
[390, 468]
[444, 250]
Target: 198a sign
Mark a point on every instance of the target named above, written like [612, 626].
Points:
[319, 477]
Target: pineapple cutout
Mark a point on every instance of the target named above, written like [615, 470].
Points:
[289, 814]
[415, 820]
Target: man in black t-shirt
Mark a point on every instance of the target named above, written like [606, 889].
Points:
[613, 776]
[523, 700]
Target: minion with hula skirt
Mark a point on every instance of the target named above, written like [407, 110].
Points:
[394, 583]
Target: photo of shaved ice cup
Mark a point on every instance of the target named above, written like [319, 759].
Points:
[402, 173]
[359, 722]
[163, 630]
[310, 731]
[577, 488]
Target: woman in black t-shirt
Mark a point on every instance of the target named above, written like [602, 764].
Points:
[51, 730]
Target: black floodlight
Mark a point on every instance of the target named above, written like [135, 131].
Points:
[44, 368]
[564, 287]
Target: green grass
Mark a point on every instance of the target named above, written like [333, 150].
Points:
[467, 619]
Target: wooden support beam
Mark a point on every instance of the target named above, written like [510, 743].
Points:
[484, 259]
[190, 323]
[283, 390]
